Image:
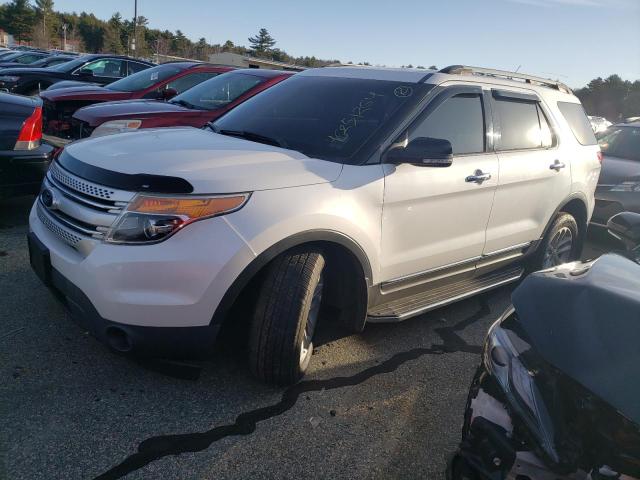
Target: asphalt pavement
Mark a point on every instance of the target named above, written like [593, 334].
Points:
[387, 403]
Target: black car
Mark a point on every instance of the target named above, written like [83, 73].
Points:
[23, 158]
[50, 61]
[99, 69]
[22, 58]
[619, 184]
[556, 395]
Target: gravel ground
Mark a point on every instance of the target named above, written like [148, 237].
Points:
[384, 404]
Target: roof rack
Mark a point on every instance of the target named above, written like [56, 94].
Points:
[467, 70]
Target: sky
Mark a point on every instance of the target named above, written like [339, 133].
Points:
[570, 40]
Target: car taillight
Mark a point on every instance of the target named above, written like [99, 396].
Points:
[600, 157]
[31, 132]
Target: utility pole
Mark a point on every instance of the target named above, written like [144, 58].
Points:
[135, 23]
[64, 32]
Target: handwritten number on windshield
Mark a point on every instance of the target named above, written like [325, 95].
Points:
[350, 121]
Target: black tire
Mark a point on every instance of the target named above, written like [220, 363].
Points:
[287, 295]
[545, 257]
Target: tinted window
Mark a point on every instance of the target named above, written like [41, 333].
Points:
[623, 142]
[218, 91]
[190, 80]
[460, 120]
[519, 125]
[135, 67]
[145, 79]
[578, 121]
[29, 58]
[324, 117]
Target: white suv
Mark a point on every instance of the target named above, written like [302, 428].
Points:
[382, 192]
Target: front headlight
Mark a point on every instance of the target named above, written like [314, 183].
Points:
[9, 78]
[629, 187]
[519, 385]
[154, 218]
[116, 126]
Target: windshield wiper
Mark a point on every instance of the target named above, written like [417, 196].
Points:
[251, 136]
[183, 103]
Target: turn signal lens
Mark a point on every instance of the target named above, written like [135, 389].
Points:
[151, 219]
[189, 207]
[600, 157]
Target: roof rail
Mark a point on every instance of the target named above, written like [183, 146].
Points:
[467, 70]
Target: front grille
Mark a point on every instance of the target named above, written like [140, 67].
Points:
[79, 211]
[80, 129]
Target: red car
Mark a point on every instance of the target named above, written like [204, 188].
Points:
[195, 107]
[159, 83]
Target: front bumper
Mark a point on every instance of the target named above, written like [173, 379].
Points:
[490, 448]
[168, 290]
[22, 171]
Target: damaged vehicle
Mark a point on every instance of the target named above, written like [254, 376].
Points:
[556, 394]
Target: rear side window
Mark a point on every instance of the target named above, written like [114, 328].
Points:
[578, 122]
[459, 119]
[519, 125]
[190, 80]
[623, 142]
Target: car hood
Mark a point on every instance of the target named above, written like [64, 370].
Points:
[95, 115]
[584, 319]
[29, 71]
[84, 92]
[616, 170]
[211, 163]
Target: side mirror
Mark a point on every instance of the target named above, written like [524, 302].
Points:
[85, 72]
[424, 152]
[625, 226]
[168, 93]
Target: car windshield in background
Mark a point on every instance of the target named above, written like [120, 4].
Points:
[323, 117]
[68, 66]
[145, 78]
[11, 56]
[623, 142]
[217, 92]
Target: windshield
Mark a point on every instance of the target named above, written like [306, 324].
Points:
[145, 79]
[72, 65]
[10, 56]
[324, 117]
[218, 92]
[623, 142]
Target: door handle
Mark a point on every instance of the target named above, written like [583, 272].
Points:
[557, 165]
[478, 177]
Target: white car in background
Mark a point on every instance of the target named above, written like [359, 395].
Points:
[382, 192]
[599, 124]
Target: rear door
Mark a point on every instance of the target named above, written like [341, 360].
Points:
[535, 175]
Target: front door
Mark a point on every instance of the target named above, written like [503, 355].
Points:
[435, 217]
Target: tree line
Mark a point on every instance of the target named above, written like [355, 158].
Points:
[42, 26]
[612, 98]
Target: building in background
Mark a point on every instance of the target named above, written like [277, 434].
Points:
[243, 61]
[6, 40]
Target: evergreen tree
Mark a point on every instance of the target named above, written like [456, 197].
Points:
[262, 43]
[18, 19]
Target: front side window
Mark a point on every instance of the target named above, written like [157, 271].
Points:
[106, 67]
[329, 118]
[519, 125]
[460, 120]
[217, 92]
[145, 79]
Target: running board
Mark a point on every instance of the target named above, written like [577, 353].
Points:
[407, 307]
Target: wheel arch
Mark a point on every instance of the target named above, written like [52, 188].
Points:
[576, 205]
[345, 252]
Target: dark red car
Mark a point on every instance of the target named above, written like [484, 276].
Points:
[158, 83]
[195, 107]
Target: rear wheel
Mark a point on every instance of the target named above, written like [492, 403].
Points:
[286, 316]
[560, 245]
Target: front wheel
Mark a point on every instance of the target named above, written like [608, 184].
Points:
[286, 315]
[560, 245]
